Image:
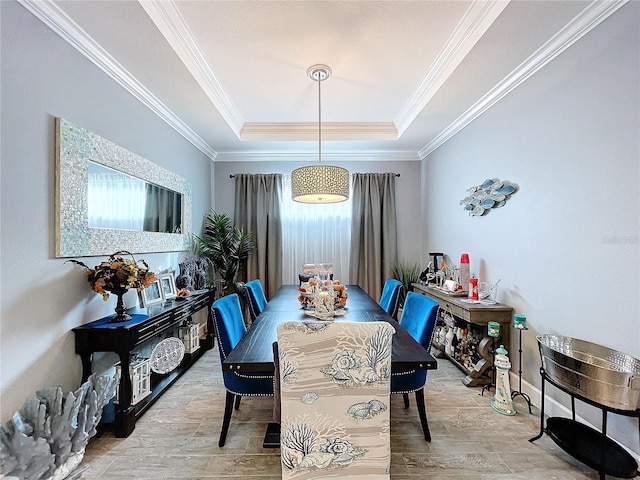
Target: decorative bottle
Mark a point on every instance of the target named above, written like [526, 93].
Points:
[464, 271]
[473, 288]
[448, 345]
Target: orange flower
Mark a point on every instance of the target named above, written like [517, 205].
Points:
[118, 273]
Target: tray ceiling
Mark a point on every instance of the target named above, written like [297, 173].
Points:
[407, 75]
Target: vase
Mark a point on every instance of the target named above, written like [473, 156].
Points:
[121, 310]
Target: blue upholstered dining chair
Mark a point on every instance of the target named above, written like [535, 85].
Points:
[256, 300]
[391, 296]
[419, 319]
[230, 328]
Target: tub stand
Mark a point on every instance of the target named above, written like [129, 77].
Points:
[585, 444]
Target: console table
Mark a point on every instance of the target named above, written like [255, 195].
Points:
[123, 337]
[474, 355]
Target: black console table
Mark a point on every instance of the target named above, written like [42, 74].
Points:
[123, 337]
[593, 448]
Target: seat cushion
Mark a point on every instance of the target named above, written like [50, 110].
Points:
[256, 384]
[407, 382]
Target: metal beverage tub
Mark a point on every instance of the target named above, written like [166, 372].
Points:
[602, 375]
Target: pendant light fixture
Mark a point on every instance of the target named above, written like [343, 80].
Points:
[319, 183]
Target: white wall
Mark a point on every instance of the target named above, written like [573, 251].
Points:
[42, 298]
[407, 193]
[566, 246]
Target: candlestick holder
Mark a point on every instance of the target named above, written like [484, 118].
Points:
[520, 324]
[493, 330]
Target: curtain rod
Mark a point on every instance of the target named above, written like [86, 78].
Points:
[233, 176]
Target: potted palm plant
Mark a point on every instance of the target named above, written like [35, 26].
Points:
[226, 246]
[407, 273]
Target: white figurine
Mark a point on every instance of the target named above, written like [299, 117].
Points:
[502, 402]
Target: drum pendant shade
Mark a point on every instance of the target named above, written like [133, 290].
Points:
[319, 183]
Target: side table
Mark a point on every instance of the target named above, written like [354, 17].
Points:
[475, 318]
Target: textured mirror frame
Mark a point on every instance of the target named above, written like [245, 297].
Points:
[75, 146]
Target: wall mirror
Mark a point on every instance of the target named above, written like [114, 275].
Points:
[110, 199]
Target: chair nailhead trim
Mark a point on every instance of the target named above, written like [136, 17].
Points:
[251, 394]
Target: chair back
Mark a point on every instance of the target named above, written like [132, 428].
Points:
[229, 327]
[419, 315]
[391, 295]
[228, 323]
[256, 300]
[310, 270]
[317, 268]
[335, 391]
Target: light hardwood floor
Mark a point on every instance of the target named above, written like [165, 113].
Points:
[177, 438]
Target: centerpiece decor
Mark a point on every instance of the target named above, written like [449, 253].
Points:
[316, 294]
[117, 275]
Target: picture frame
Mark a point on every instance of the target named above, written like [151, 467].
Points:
[152, 295]
[168, 286]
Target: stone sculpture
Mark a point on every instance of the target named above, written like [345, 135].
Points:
[46, 438]
[193, 273]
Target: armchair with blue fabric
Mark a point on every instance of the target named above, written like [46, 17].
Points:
[418, 317]
[229, 329]
[255, 297]
[391, 298]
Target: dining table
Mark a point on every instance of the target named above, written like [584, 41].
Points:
[254, 352]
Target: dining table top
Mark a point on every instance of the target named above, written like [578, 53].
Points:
[254, 352]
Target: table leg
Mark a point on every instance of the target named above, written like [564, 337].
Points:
[85, 358]
[272, 436]
[125, 419]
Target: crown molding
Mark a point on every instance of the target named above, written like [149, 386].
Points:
[477, 19]
[307, 131]
[473, 25]
[580, 25]
[170, 22]
[58, 21]
[310, 157]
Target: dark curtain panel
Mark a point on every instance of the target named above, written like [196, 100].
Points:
[163, 210]
[373, 231]
[257, 210]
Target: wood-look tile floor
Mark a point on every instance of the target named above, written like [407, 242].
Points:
[177, 438]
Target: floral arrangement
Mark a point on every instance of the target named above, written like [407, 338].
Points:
[118, 273]
[309, 290]
[340, 294]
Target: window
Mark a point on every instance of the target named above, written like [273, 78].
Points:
[314, 234]
[116, 201]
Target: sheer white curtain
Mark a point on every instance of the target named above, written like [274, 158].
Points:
[314, 234]
[116, 201]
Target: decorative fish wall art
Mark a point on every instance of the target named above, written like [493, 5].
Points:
[492, 193]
